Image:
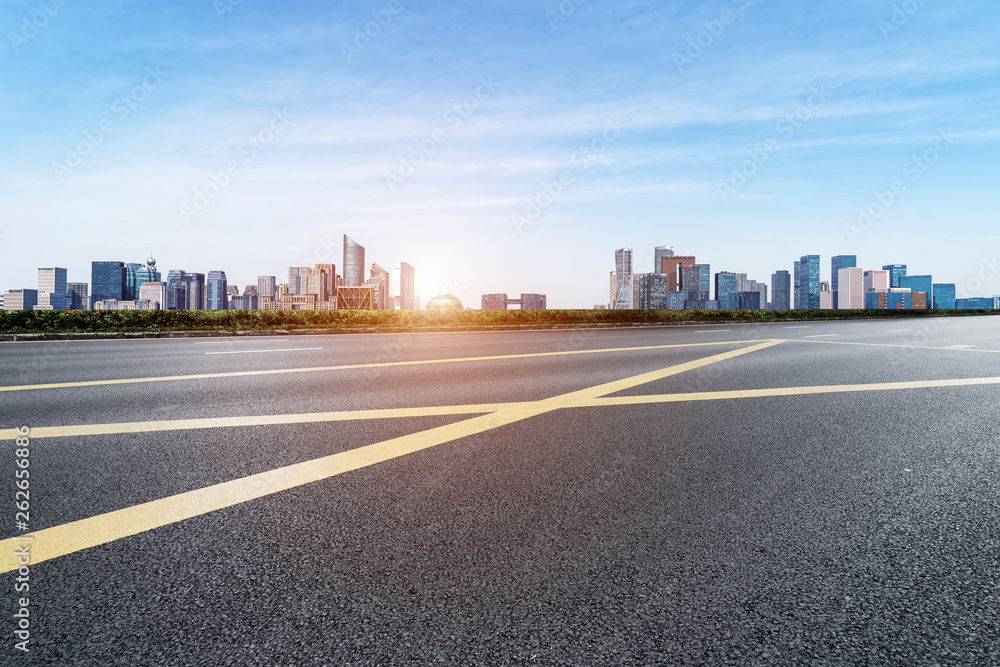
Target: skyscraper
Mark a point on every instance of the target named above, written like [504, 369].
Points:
[380, 278]
[836, 264]
[923, 284]
[404, 286]
[696, 278]
[725, 289]
[652, 289]
[266, 286]
[896, 271]
[53, 281]
[107, 280]
[297, 279]
[944, 296]
[781, 290]
[354, 263]
[147, 273]
[659, 253]
[623, 270]
[77, 297]
[671, 266]
[851, 289]
[217, 291]
[876, 281]
[807, 283]
[150, 291]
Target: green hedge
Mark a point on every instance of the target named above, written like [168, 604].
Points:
[26, 321]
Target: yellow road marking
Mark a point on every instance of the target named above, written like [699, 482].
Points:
[86, 533]
[784, 391]
[254, 420]
[388, 364]
[915, 347]
[485, 408]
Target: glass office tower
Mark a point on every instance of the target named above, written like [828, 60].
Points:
[807, 282]
[107, 280]
[354, 263]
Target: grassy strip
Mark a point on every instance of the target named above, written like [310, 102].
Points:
[26, 321]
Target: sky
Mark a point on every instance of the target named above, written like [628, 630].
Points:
[509, 146]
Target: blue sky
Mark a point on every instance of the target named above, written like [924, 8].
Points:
[507, 148]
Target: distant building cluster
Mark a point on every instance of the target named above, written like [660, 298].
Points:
[118, 285]
[526, 302]
[681, 283]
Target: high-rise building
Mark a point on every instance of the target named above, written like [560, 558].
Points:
[781, 290]
[147, 273]
[297, 279]
[745, 301]
[659, 253]
[107, 280]
[176, 290]
[154, 292]
[329, 273]
[266, 286]
[677, 300]
[380, 278]
[20, 299]
[185, 291]
[53, 281]
[807, 283]
[836, 264]
[354, 263]
[623, 271]
[851, 289]
[216, 291]
[77, 297]
[696, 278]
[923, 284]
[896, 271]
[250, 297]
[876, 281]
[944, 296]
[652, 291]
[725, 289]
[671, 267]
[404, 284]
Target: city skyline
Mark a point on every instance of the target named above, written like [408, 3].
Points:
[223, 136]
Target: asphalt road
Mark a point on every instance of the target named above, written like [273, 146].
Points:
[808, 494]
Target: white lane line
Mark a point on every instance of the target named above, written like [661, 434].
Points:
[898, 330]
[712, 331]
[959, 347]
[805, 327]
[822, 335]
[229, 341]
[291, 349]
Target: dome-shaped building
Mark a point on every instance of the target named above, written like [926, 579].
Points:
[444, 302]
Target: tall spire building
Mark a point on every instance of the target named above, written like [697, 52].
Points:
[354, 263]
